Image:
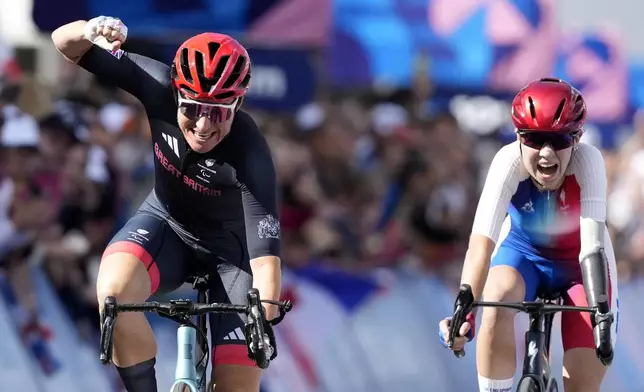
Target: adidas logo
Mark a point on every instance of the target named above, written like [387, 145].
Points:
[237, 334]
[172, 142]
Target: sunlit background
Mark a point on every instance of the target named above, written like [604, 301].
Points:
[382, 116]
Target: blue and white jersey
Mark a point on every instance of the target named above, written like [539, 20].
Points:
[544, 223]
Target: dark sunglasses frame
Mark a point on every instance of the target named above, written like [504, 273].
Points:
[557, 140]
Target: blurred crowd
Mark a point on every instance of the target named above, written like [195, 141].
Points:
[372, 179]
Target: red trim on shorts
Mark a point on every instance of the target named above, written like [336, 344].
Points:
[231, 354]
[139, 252]
[576, 327]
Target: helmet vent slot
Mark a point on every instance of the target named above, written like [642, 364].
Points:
[239, 65]
[533, 111]
[560, 109]
[185, 66]
[213, 47]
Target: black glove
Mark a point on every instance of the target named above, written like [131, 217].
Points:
[268, 330]
[603, 341]
[270, 346]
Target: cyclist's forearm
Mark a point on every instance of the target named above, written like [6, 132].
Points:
[267, 278]
[474, 273]
[593, 261]
[477, 263]
[70, 40]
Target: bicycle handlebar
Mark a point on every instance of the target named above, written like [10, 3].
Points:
[181, 308]
[465, 303]
[534, 307]
[185, 307]
[181, 311]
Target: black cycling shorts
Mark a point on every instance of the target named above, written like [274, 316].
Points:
[171, 260]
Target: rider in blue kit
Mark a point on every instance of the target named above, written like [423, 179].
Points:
[540, 226]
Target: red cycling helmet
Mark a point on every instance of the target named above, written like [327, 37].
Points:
[211, 67]
[549, 105]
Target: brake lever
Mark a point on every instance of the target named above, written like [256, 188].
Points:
[107, 340]
[255, 330]
[462, 306]
[108, 320]
[254, 304]
[284, 307]
[602, 336]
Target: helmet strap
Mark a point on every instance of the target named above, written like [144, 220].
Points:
[240, 101]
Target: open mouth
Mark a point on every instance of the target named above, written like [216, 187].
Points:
[547, 169]
[202, 137]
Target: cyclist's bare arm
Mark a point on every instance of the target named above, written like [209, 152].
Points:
[477, 263]
[267, 278]
[70, 40]
[503, 178]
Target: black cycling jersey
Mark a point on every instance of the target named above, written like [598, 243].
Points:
[233, 184]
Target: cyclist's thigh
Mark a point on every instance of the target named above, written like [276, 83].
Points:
[230, 283]
[151, 240]
[576, 327]
[500, 279]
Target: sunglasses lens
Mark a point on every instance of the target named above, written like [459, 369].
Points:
[219, 114]
[189, 110]
[558, 141]
[214, 113]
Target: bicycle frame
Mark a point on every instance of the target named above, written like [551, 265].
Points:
[187, 372]
[536, 363]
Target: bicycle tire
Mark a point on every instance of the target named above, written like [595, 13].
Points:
[528, 385]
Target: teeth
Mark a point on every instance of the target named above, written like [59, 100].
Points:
[547, 164]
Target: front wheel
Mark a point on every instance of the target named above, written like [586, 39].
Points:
[528, 385]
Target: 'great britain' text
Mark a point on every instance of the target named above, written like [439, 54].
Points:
[186, 180]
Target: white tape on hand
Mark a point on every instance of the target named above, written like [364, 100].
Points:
[94, 29]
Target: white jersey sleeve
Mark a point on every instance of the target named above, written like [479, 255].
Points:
[588, 167]
[503, 178]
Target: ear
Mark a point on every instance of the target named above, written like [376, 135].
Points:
[578, 137]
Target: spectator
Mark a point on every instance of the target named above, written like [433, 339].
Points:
[25, 212]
